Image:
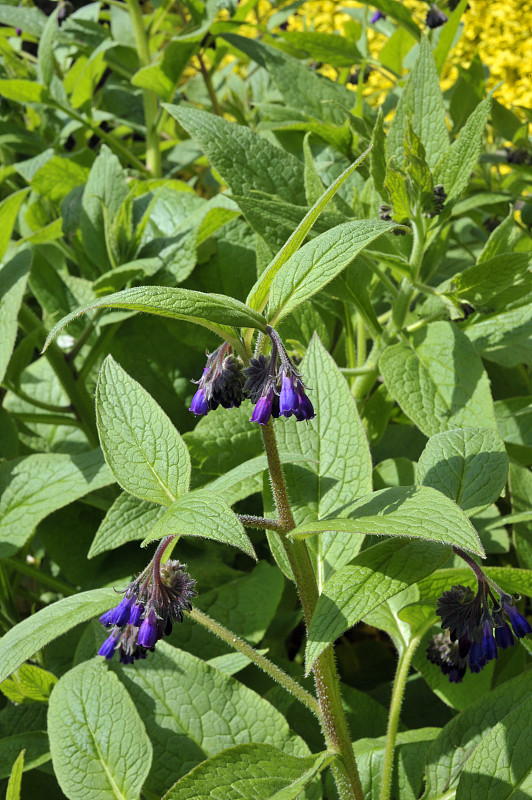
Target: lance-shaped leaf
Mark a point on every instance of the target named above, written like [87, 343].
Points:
[469, 465]
[33, 633]
[145, 453]
[128, 520]
[15, 778]
[97, 735]
[374, 576]
[256, 771]
[36, 747]
[258, 296]
[217, 312]
[418, 512]
[318, 262]
[13, 277]
[31, 487]
[206, 514]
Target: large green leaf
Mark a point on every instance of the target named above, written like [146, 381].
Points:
[145, 453]
[338, 462]
[501, 766]
[205, 514]
[414, 511]
[31, 487]
[469, 465]
[459, 739]
[200, 712]
[96, 736]
[255, 771]
[375, 575]
[13, 278]
[492, 284]
[213, 311]
[33, 633]
[504, 336]
[319, 261]
[438, 380]
[244, 159]
[422, 102]
[457, 161]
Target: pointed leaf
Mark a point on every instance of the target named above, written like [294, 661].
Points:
[375, 575]
[13, 278]
[36, 751]
[202, 513]
[33, 633]
[145, 453]
[128, 520]
[213, 311]
[15, 779]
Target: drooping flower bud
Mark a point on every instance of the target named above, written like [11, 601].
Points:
[222, 382]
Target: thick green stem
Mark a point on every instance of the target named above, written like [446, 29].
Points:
[150, 102]
[332, 717]
[76, 391]
[265, 664]
[403, 301]
[398, 693]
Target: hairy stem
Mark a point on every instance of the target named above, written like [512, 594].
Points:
[259, 660]
[398, 693]
[332, 717]
[260, 522]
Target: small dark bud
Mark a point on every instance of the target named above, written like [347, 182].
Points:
[283, 26]
[517, 155]
[377, 16]
[435, 18]
[385, 213]
[433, 204]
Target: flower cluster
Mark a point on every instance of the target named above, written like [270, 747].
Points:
[221, 384]
[478, 624]
[150, 606]
[272, 383]
[275, 387]
[435, 17]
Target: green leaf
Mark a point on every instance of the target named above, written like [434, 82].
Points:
[145, 453]
[300, 87]
[30, 20]
[504, 336]
[338, 462]
[501, 766]
[318, 262]
[458, 160]
[58, 177]
[162, 76]
[205, 514]
[22, 91]
[258, 296]
[439, 380]
[213, 311]
[45, 53]
[422, 102]
[128, 520]
[483, 285]
[9, 209]
[469, 465]
[502, 240]
[459, 739]
[13, 278]
[29, 683]
[255, 771]
[447, 35]
[407, 781]
[33, 633]
[31, 487]
[415, 511]
[15, 779]
[201, 712]
[245, 160]
[376, 574]
[96, 734]
[36, 747]
[331, 48]
[105, 191]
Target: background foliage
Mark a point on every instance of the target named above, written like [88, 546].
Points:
[178, 146]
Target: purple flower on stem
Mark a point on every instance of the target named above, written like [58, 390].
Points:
[221, 384]
[478, 624]
[199, 404]
[150, 606]
[377, 16]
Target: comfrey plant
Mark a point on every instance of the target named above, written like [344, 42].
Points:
[306, 626]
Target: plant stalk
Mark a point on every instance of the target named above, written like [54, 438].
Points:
[258, 659]
[332, 717]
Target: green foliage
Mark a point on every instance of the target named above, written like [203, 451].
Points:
[179, 178]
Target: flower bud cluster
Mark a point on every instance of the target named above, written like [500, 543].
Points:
[150, 606]
[478, 624]
[272, 383]
[433, 203]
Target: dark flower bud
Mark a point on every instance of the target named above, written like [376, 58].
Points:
[445, 654]
[433, 203]
[18, 31]
[520, 625]
[222, 382]
[377, 16]
[385, 213]
[435, 18]
[503, 636]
